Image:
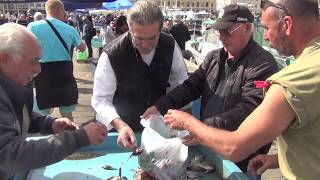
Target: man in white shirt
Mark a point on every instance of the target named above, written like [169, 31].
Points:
[137, 69]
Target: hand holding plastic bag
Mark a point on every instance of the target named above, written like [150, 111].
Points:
[164, 153]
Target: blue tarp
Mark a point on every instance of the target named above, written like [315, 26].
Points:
[74, 1]
[117, 5]
[68, 5]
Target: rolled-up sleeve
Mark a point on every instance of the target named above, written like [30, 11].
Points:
[104, 87]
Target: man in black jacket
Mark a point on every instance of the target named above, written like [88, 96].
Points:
[19, 63]
[225, 80]
[180, 32]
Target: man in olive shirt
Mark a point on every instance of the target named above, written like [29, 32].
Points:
[290, 110]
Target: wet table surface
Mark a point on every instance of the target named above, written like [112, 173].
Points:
[110, 154]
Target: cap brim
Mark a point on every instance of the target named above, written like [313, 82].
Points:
[222, 25]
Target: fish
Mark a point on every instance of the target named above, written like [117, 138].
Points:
[108, 167]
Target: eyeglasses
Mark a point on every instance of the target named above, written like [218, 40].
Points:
[227, 31]
[140, 39]
[266, 3]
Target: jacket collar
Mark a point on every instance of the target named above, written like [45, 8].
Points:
[19, 96]
[248, 47]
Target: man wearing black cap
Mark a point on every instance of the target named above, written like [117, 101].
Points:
[225, 80]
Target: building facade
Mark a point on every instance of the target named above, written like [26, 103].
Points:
[20, 7]
[253, 5]
[207, 5]
[187, 5]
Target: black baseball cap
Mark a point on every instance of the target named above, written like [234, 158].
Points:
[231, 14]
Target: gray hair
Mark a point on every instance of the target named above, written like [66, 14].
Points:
[38, 16]
[13, 37]
[145, 12]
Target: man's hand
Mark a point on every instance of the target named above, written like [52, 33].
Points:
[175, 118]
[126, 137]
[190, 140]
[62, 124]
[153, 110]
[96, 132]
[261, 163]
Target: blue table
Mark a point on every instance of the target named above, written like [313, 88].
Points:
[113, 155]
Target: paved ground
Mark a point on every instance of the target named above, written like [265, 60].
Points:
[84, 112]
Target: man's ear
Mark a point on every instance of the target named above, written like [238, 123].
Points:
[288, 24]
[248, 27]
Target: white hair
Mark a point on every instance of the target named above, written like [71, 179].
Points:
[13, 38]
[38, 16]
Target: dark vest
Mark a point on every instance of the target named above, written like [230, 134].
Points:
[139, 85]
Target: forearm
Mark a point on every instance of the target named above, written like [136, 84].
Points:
[40, 123]
[183, 94]
[118, 124]
[19, 154]
[231, 119]
[219, 141]
[103, 91]
[176, 99]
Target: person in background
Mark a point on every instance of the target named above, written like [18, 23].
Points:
[88, 33]
[107, 32]
[225, 80]
[56, 85]
[30, 17]
[19, 63]
[167, 26]
[22, 20]
[180, 32]
[72, 18]
[3, 19]
[81, 24]
[121, 25]
[134, 71]
[38, 16]
[290, 111]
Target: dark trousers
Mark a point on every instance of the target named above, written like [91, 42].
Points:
[88, 43]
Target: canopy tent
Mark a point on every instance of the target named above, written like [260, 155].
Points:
[117, 5]
[73, 1]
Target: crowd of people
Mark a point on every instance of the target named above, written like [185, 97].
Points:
[141, 72]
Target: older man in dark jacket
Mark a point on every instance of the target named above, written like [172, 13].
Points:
[225, 80]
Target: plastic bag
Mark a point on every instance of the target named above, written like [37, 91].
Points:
[164, 155]
[82, 56]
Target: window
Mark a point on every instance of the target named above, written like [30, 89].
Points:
[207, 4]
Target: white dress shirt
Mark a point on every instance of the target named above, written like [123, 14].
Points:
[105, 83]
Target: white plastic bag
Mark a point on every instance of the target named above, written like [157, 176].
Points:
[164, 154]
